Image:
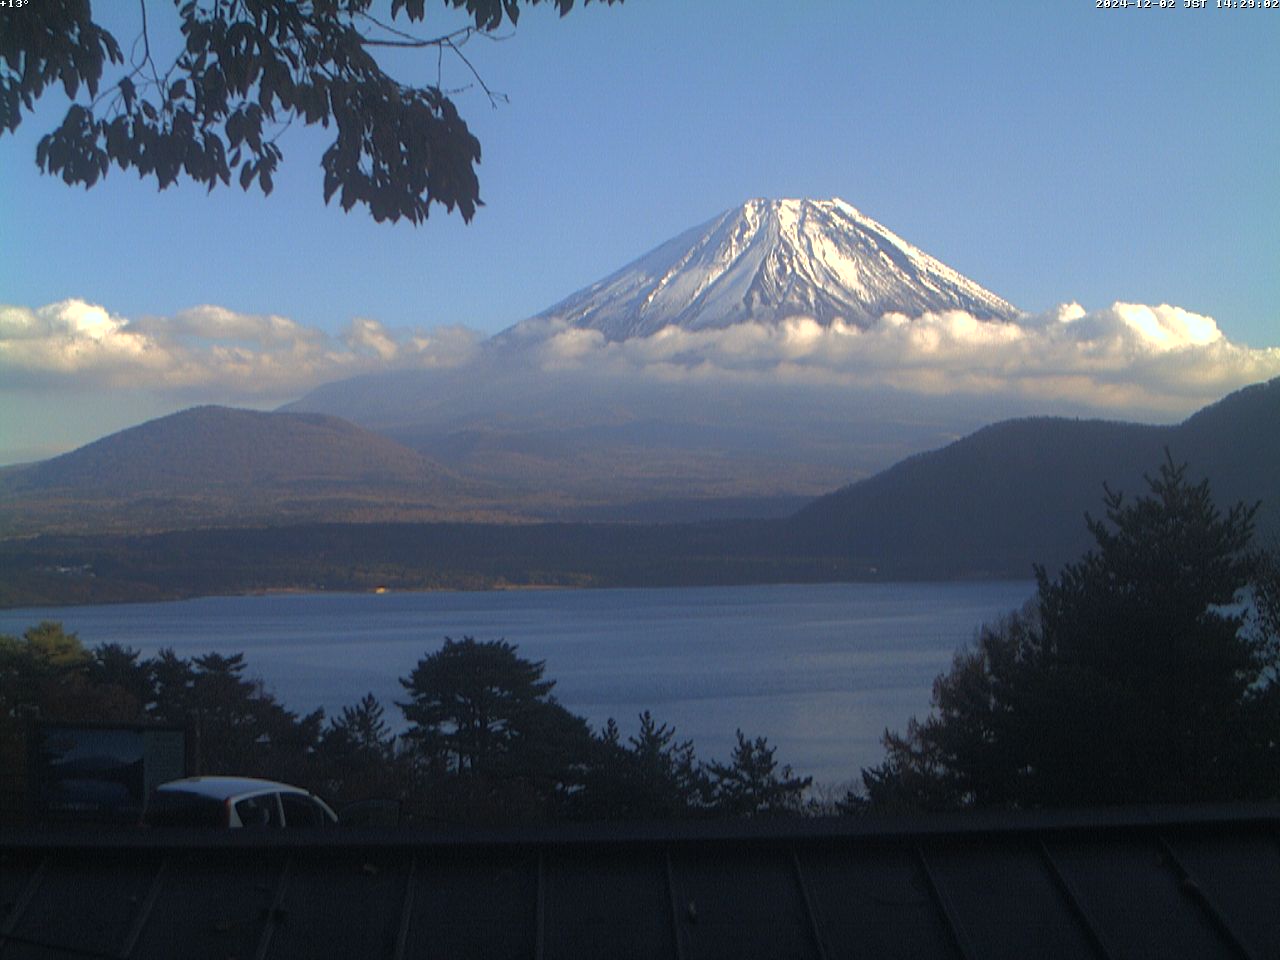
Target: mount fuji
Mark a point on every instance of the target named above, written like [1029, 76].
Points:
[769, 260]
[647, 418]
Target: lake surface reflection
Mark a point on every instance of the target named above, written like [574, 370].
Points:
[820, 670]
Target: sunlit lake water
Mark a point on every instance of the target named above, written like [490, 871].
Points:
[820, 670]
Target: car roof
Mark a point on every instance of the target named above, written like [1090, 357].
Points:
[221, 788]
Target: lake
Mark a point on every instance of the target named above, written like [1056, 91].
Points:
[820, 670]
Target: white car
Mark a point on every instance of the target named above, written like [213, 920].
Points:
[235, 802]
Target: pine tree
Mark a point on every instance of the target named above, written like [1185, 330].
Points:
[468, 699]
[751, 784]
[1136, 677]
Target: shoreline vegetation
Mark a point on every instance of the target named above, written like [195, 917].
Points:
[50, 571]
[483, 738]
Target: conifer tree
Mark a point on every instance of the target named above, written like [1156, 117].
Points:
[1135, 677]
[751, 784]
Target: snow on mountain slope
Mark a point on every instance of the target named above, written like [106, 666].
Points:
[770, 260]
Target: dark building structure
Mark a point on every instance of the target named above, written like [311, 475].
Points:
[1197, 883]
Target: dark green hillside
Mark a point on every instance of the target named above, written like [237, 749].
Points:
[1015, 492]
[1236, 441]
[990, 503]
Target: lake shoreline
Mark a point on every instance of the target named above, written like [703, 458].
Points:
[820, 670]
[67, 570]
[147, 597]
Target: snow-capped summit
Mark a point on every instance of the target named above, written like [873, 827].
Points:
[773, 259]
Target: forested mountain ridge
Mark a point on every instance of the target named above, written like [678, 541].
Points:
[1016, 491]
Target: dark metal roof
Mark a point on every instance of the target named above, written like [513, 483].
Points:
[1169, 883]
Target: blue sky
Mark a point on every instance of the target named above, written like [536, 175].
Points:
[1051, 152]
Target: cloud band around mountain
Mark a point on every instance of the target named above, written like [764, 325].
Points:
[1124, 360]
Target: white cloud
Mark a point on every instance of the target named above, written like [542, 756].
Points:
[207, 351]
[1124, 360]
[370, 337]
[1127, 360]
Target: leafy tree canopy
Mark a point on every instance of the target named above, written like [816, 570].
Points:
[44, 655]
[1136, 676]
[651, 775]
[48, 672]
[488, 741]
[247, 70]
[362, 729]
[752, 785]
[471, 704]
[239, 727]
